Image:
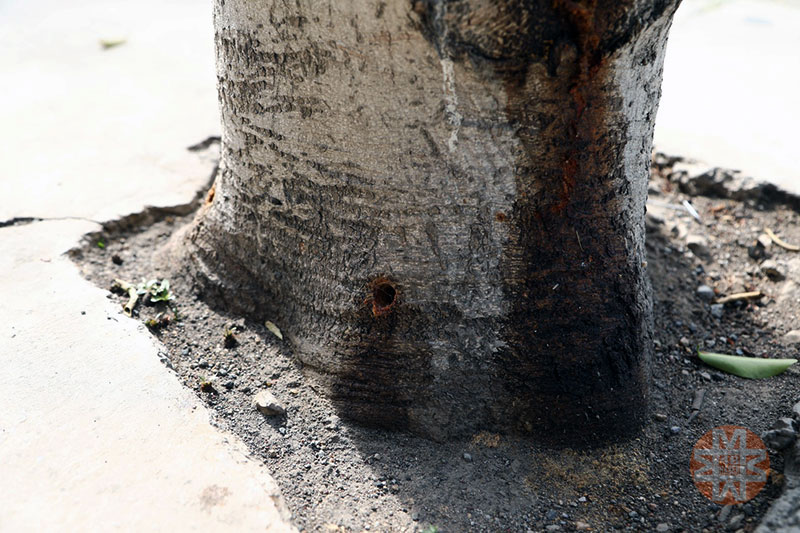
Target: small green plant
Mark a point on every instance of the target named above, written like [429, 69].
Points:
[431, 529]
[161, 320]
[230, 340]
[101, 244]
[206, 385]
[154, 290]
[159, 292]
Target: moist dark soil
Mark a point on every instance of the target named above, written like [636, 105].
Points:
[339, 477]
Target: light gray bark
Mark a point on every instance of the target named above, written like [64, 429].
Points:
[442, 204]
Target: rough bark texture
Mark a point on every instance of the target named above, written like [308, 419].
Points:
[442, 204]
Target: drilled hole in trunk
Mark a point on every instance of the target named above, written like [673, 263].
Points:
[384, 296]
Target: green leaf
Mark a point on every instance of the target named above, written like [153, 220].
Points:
[160, 293]
[101, 244]
[111, 43]
[274, 329]
[746, 367]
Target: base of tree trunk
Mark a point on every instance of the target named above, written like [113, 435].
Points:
[443, 209]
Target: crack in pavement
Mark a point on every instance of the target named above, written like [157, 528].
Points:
[21, 221]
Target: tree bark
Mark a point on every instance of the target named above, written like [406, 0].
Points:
[442, 205]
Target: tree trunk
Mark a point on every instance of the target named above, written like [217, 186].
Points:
[441, 203]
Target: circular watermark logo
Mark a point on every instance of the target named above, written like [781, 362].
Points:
[729, 465]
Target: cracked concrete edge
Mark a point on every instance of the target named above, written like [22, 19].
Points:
[138, 215]
[737, 185]
[95, 433]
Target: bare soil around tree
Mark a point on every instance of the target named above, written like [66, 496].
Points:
[337, 476]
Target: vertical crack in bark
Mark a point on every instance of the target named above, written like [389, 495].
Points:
[454, 118]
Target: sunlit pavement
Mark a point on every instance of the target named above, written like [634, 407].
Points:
[731, 85]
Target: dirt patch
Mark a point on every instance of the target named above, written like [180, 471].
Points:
[336, 476]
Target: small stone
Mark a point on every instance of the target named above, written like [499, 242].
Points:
[735, 522]
[553, 527]
[756, 252]
[764, 241]
[267, 404]
[785, 423]
[698, 245]
[796, 411]
[468, 457]
[704, 292]
[662, 527]
[229, 385]
[717, 310]
[654, 219]
[793, 337]
[582, 526]
[779, 439]
[772, 270]
[551, 515]
[117, 260]
[679, 230]
[661, 417]
[705, 375]
[685, 342]
[582, 499]
[675, 430]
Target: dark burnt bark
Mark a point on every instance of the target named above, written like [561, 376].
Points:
[442, 205]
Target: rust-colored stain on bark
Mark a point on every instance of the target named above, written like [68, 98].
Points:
[583, 126]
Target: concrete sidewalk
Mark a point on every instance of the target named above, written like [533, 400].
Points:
[96, 434]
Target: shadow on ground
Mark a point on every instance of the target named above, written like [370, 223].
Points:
[336, 476]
